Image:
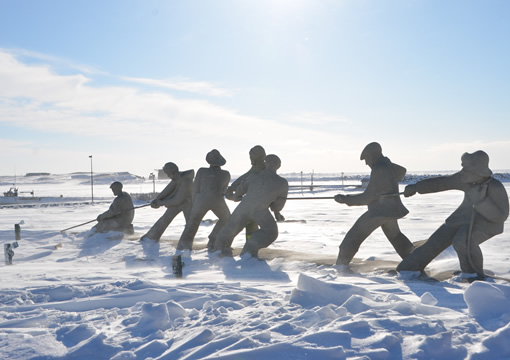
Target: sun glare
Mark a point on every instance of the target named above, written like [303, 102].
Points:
[282, 8]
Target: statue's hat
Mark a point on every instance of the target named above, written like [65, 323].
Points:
[214, 158]
[476, 163]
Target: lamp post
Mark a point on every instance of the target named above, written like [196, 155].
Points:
[91, 179]
[153, 178]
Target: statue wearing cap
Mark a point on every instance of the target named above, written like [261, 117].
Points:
[260, 192]
[384, 206]
[176, 197]
[119, 216]
[257, 159]
[480, 216]
[208, 195]
[257, 156]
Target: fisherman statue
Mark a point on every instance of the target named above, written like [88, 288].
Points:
[384, 206]
[176, 197]
[261, 192]
[257, 156]
[119, 217]
[208, 195]
[480, 216]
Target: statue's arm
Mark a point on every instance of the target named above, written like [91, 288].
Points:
[114, 210]
[197, 184]
[167, 191]
[230, 192]
[226, 180]
[371, 193]
[183, 192]
[277, 205]
[494, 206]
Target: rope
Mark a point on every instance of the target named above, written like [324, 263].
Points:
[88, 222]
[468, 243]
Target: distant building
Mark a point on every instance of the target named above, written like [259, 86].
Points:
[162, 175]
[38, 174]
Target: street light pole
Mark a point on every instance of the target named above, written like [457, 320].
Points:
[153, 178]
[91, 179]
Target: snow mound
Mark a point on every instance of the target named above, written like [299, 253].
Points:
[495, 346]
[312, 292]
[488, 303]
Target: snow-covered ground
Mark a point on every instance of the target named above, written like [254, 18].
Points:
[72, 297]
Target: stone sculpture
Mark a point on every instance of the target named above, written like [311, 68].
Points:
[257, 155]
[119, 216]
[480, 216]
[257, 158]
[384, 206]
[176, 197]
[208, 194]
[260, 192]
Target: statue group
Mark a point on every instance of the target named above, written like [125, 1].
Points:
[261, 191]
[480, 216]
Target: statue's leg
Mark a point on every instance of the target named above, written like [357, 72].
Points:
[128, 229]
[186, 209]
[264, 236]
[361, 229]
[251, 227]
[198, 211]
[222, 211]
[420, 257]
[107, 225]
[470, 259]
[400, 242]
[226, 235]
[160, 226]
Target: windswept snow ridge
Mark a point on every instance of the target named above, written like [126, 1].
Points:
[69, 296]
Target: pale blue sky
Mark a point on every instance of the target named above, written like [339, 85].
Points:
[140, 83]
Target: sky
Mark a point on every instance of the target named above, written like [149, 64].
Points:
[136, 84]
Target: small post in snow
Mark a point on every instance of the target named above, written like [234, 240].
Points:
[9, 252]
[17, 232]
[177, 266]
[9, 248]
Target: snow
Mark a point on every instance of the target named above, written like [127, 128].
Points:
[69, 296]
